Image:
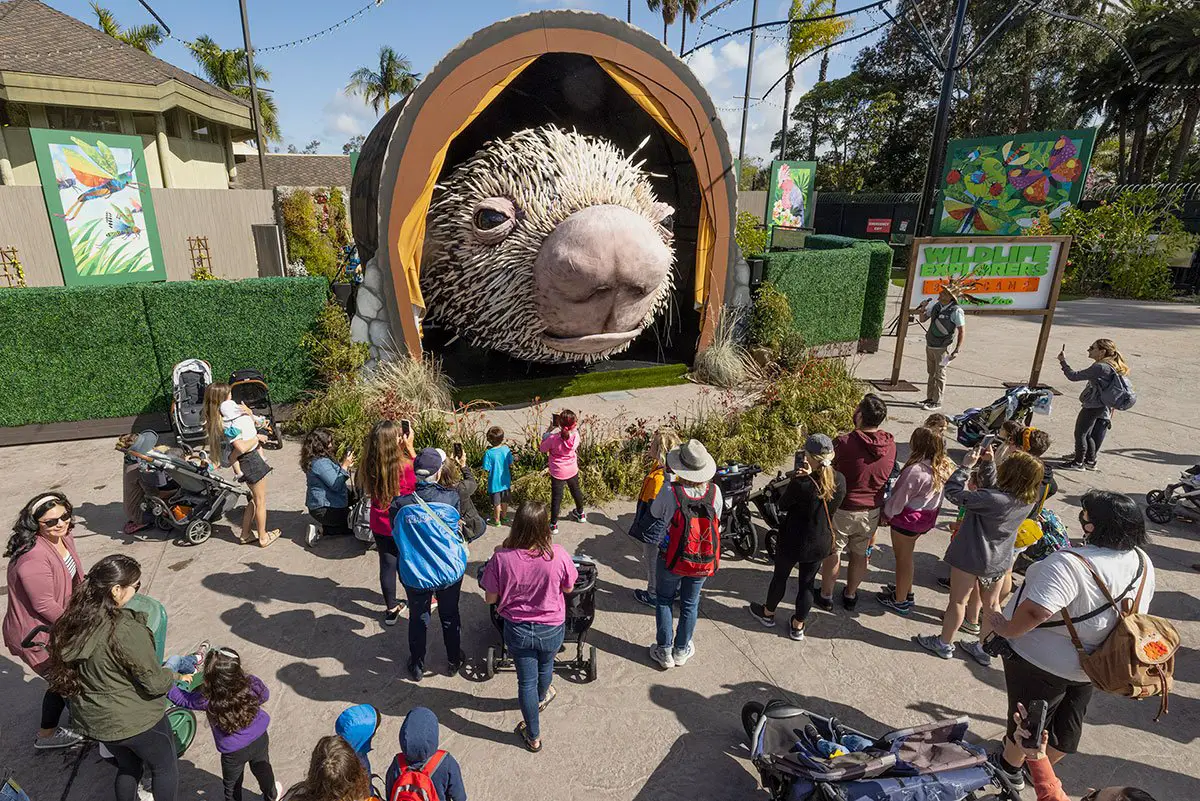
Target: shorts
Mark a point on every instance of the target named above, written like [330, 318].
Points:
[1067, 700]
[853, 530]
[501, 497]
[254, 466]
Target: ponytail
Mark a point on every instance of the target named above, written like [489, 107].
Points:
[566, 423]
[1112, 356]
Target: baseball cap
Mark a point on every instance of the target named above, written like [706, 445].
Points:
[428, 462]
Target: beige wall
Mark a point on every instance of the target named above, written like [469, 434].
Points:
[221, 215]
[754, 202]
[20, 154]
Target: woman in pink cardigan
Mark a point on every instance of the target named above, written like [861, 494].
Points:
[43, 569]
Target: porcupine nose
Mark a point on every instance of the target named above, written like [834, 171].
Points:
[599, 273]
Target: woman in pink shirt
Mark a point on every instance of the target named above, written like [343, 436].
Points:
[386, 472]
[560, 443]
[527, 578]
[43, 570]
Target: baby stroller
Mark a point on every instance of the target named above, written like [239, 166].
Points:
[932, 762]
[1018, 403]
[766, 500]
[249, 386]
[1180, 498]
[189, 379]
[737, 529]
[198, 498]
[581, 613]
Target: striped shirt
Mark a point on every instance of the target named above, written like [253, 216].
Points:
[72, 568]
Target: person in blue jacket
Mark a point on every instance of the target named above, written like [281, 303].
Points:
[419, 746]
[433, 557]
[357, 726]
[326, 496]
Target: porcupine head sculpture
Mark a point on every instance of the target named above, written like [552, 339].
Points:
[549, 246]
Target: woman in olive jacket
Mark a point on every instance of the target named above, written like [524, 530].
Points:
[102, 657]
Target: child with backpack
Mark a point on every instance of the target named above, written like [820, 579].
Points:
[646, 528]
[560, 443]
[233, 700]
[689, 553]
[422, 772]
[1107, 389]
[497, 463]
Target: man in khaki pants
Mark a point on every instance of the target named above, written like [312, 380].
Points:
[948, 323]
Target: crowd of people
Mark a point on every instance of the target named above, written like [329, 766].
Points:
[100, 658]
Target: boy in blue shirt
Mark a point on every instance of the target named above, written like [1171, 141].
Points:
[497, 461]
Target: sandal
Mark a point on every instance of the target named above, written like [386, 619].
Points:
[247, 539]
[532, 746]
[272, 535]
[550, 695]
[134, 528]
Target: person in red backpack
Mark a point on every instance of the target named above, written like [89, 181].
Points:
[689, 552]
[421, 766]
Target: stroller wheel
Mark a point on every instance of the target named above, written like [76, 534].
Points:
[183, 726]
[1154, 497]
[591, 665]
[198, 531]
[771, 543]
[489, 669]
[751, 712]
[1161, 513]
[743, 539]
[163, 522]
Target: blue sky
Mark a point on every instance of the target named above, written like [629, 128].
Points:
[308, 80]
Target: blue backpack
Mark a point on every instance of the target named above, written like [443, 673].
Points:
[1054, 536]
[434, 554]
[1118, 393]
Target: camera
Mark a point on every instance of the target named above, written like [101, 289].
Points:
[995, 645]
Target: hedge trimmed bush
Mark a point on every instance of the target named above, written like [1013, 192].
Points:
[830, 242]
[825, 289]
[875, 302]
[82, 353]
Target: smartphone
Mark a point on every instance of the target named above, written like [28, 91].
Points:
[405, 427]
[458, 450]
[987, 440]
[1035, 723]
[554, 423]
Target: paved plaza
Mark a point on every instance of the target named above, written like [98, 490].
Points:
[308, 621]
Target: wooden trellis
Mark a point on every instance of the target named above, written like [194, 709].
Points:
[201, 258]
[11, 270]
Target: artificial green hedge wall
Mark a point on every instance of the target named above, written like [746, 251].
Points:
[825, 289]
[81, 353]
[875, 302]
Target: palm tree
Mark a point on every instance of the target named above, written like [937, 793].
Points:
[669, 10]
[395, 77]
[227, 70]
[804, 38]
[1167, 52]
[143, 37]
[690, 9]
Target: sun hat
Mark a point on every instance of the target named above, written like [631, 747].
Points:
[691, 461]
[428, 462]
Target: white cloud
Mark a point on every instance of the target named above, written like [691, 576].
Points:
[342, 117]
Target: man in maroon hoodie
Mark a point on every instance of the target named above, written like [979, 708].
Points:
[865, 457]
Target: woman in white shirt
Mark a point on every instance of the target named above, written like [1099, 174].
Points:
[1045, 664]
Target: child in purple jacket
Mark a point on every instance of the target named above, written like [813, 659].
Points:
[233, 700]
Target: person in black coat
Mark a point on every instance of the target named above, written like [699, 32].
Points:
[806, 533]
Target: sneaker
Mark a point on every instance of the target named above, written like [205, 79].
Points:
[392, 616]
[975, 650]
[577, 516]
[456, 665]
[681, 657]
[760, 612]
[662, 656]
[934, 645]
[1073, 464]
[144, 795]
[645, 598]
[796, 634]
[433, 606]
[944, 583]
[969, 628]
[891, 590]
[849, 603]
[931, 405]
[1014, 778]
[278, 791]
[313, 536]
[888, 599]
[1090, 466]
[62, 738]
[415, 672]
[821, 602]
[554, 529]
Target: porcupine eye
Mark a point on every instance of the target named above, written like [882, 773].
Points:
[486, 219]
[493, 219]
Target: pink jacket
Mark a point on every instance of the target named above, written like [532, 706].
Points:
[564, 463]
[39, 588]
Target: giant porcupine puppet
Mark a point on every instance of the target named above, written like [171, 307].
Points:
[549, 246]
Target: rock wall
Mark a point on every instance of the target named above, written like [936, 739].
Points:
[373, 323]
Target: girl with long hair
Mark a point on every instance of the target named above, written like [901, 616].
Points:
[646, 528]
[103, 660]
[386, 472]
[233, 700]
[224, 449]
[44, 569]
[1095, 418]
[806, 534]
[326, 495]
[334, 774]
[527, 578]
[912, 509]
[560, 443]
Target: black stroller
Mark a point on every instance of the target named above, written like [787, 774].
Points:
[1179, 498]
[1018, 403]
[581, 613]
[249, 386]
[737, 529]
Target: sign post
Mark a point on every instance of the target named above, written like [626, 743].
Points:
[1005, 276]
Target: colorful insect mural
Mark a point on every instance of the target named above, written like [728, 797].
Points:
[790, 204]
[98, 197]
[1000, 186]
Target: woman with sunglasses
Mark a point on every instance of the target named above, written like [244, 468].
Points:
[103, 659]
[43, 570]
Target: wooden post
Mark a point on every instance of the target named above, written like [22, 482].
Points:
[902, 331]
[1048, 316]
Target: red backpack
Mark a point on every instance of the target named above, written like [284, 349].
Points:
[415, 785]
[694, 535]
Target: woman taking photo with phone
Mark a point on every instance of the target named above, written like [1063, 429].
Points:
[387, 472]
[1094, 418]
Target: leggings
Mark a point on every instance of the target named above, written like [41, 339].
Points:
[153, 748]
[783, 568]
[257, 756]
[1091, 426]
[389, 561]
[53, 705]
[556, 495]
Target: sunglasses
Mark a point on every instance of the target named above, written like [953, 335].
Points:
[51, 522]
[1091, 796]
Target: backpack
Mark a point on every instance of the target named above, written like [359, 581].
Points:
[694, 535]
[1118, 394]
[1137, 659]
[1030, 530]
[435, 553]
[1054, 536]
[415, 785]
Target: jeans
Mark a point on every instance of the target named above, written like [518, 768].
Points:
[688, 587]
[419, 602]
[937, 372]
[183, 665]
[650, 556]
[389, 564]
[333, 520]
[775, 592]
[154, 748]
[533, 647]
[1091, 426]
[556, 495]
[257, 756]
